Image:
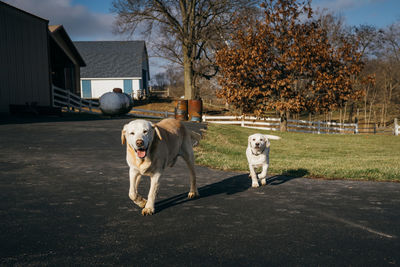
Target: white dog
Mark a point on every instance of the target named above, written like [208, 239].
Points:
[149, 149]
[257, 153]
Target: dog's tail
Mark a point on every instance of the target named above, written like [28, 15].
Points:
[272, 137]
[196, 137]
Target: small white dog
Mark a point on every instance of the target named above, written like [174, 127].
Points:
[257, 153]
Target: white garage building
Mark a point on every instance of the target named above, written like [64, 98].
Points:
[114, 64]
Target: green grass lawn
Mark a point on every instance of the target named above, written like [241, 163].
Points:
[361, 157]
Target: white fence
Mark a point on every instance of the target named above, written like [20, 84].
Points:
[136, 112]
[320, 127]
[273, 124]
[65, 99]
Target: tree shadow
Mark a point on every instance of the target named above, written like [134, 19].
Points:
[229, 186]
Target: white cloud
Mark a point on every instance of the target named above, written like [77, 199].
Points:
[340, 5]
[80, 22]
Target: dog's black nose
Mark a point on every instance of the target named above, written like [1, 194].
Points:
[139, 142]
[257, 144]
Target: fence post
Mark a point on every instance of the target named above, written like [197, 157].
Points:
[319, 127]
[242, 121]
[52, 100]
[356, 128]
[204, 118]
[396, 127]
[68, 101]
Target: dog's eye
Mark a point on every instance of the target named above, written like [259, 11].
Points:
[145, 131]
[132, 133]
[254, 139]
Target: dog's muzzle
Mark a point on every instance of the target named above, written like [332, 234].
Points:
[141, 151]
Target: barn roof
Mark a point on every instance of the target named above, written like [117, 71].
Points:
[58, 31]
[112, 59]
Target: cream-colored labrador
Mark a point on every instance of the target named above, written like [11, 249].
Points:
[257, 153]
[149, 149]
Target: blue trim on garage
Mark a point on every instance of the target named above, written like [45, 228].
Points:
[86, 88]
[128, 86]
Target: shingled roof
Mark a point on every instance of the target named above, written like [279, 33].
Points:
[112, 59]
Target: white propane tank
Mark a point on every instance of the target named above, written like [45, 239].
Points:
[115, 102]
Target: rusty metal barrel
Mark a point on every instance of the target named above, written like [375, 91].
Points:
[117, 90]
[195, 108]
[181, 109]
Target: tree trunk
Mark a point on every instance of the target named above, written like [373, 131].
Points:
[351, 112]
[188, 74]
[284, 118]
[188, 78]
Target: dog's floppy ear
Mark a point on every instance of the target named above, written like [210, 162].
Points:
[123, 132]
[249, 139]
[267, 143]
[157, 131]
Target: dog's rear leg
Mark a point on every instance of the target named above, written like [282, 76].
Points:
[189, 159]
[134, 180]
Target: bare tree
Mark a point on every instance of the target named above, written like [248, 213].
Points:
[161, 80]
[390, 65]
[334, 26]
[188, 30]
[175, 81]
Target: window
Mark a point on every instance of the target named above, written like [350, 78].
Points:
[128, 87]
[86, 88]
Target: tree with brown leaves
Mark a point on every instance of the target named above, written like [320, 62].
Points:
[287, 64]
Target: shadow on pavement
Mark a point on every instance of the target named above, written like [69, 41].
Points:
[31, 118]
[287, 176]
[229, 186]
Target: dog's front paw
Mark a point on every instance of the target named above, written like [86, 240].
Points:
[141, 202]
[193, 194]
[255, 185]
[147, 211]
[262, 176]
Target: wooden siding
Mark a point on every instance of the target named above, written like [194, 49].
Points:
[24, 64]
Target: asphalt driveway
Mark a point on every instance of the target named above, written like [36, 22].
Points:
[64, 201]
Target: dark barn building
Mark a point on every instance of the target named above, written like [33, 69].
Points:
[65, 60]
[33, 57]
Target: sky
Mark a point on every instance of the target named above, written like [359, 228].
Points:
[92, 20]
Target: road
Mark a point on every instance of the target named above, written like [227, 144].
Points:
[64, 201]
